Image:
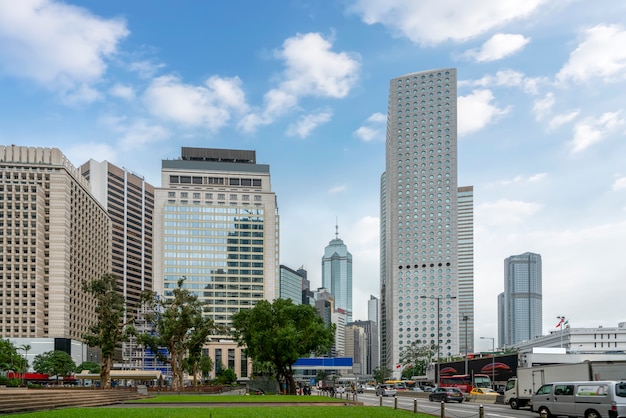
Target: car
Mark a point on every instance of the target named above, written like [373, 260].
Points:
[340, 389]
[255, 391]
[417, 389]
[446, 395]
[428, 388]
[483, 391]
[359, 389]
[385, 390]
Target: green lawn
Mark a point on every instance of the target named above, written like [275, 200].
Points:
[230, 412]
[236, 399]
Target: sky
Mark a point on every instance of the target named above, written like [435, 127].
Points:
[541, 116]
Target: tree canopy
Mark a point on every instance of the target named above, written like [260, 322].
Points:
[416, 357]
[57, 363]
[280, 333]
[108, 332]
[10, 359]
[178, 325]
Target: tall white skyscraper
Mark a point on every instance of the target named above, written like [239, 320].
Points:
[420, 282]
[337, 274]
[466, 269]
[521, 303]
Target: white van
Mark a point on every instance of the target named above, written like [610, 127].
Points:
[602, 399]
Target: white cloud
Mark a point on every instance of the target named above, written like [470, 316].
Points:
[593, 130]
[599, 55]
[122, 92]
[196, 106]
[543, 107]
[619, 184]
[60, 46]
[373, 129]
[476, 111]
[506, 78]
[499, 46]
[337, 189]
[563, 119]
[311, 69]
[306, 124]
[429, 22]
[145, 69]
[506, 212]
[535, 178]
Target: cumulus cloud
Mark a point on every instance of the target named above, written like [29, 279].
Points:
[499, 46]
[563, 119]
[122, 92]
[306, 124]
[476, 111]
[535, 178]
[430, 22]
[311, 69]
[134, 134]
[506, 212]
[506, 78]
[543, 107]
[373, 129]
[597, 56]
[593, 130]
[61, 47]
[619, 184]
[209, 106]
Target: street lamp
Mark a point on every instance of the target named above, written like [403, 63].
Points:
[493, 359]
[438, 298]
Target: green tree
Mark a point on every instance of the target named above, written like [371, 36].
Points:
[381, 374]
[280, 333]
[226, 376]
[57, 363]
[178, 325]
[205, 365]
[91, 366]
[108, 332]
[415, 358]
[10, 360]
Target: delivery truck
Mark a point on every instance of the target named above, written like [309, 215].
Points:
[519, 389]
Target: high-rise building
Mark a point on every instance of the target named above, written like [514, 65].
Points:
[217, 224]
[419, 212]
[290, 285]
[337, 274]
[466, 269]
[357, 348]
[521, 303]
[372, 309]
[129, 201]
[54, 235]
[370, 329]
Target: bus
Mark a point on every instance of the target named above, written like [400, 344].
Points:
[401, 384]
[466, 382]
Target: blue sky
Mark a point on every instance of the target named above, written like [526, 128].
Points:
[304, 83]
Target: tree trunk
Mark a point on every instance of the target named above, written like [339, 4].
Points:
[105, 373]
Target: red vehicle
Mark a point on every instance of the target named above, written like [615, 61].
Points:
[466, 382]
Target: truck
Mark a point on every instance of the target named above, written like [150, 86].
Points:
[519, 389]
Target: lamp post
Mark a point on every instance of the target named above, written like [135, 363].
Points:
[493, 359]
[438, 299]
[465, 319]
[561, 321]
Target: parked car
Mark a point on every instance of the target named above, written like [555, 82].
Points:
[359, 389]
[483, 391]
[428, 388]
[385, 390]
[446, 395]
[255, 391]
[340, 389]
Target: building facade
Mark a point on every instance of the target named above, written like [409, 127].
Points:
[419, 242]
[521, 301]
[466, 269]
[290, 285]
[216, 224]
[54, 235]
[370, 328]
[129, 201]
[337, 274]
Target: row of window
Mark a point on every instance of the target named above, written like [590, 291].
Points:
[216, 181]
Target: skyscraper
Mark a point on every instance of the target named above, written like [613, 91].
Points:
[466, 269]
[521, 302]
[129, 201]
[419, 236]
[216, 224]
[290, 285]
[337, 274]
[54, 235]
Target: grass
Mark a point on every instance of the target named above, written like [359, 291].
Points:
[174, 398]
[230, 412]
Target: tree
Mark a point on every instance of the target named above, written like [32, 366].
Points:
[110, 328]
[226, 376]
[57, 363]
[280, 333]
[25, 348]
[10, 360]
[205, 365]
[91, 366]
[178, 325]
[381, 374]
[415, 358]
